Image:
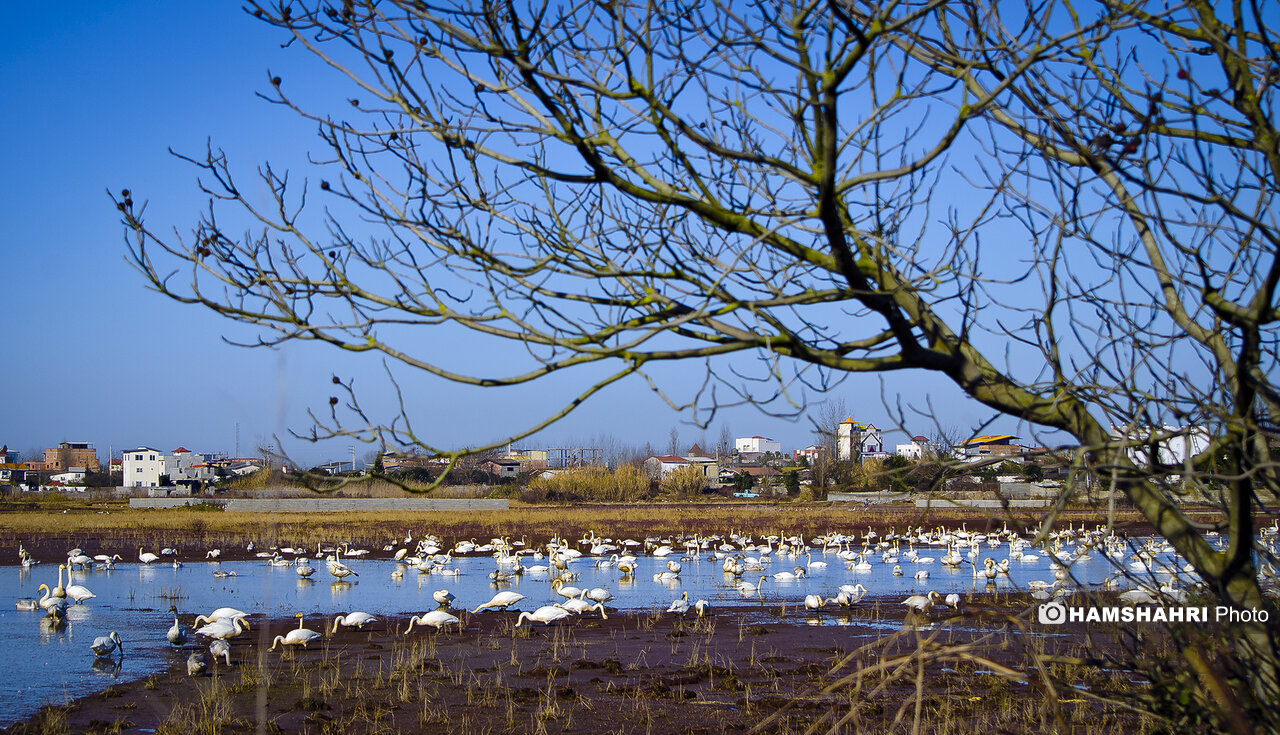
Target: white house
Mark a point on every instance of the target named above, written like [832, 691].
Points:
[72, 476]
[1174, 444]
[857, 441]
[244, 468]
[918, 448]
[756, 445]
[143, 467]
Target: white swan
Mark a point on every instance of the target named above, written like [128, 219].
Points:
[60, 591]
[299, 636]
[436, 619]
[443, 597]
[500, 601]
[340, 570]
[356, 619]
[921, 603]
[225, 628]
[544, 614]
[680, 606]
[56, 607]
[179, 634]
[566, 591]
[221, 613]
[855, 592]
[105, 645]
[79, 593]
[579, 605]
[220, 647]
[747, 588]
[146, 557]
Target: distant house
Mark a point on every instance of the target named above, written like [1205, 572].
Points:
[918, 448]
[1172, 445]
[528, 459]
[240, 469]
[811, 453]
[660, 466]
[185, 467]
[985, 447]
[143, 467]
[857, 441]
[147, 467]
[500, 468]
[756, 445]
[71, 454]
[12, 474]
[337, 467]
[73, 476]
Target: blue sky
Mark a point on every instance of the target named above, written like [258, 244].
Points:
[96, 97]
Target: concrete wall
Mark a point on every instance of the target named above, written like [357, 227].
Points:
[329, 505]
[976, 503]
[168, 502]
[336, 505]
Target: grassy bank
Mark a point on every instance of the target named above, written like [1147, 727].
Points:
[114, 526]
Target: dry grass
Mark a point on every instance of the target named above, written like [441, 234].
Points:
[120, 526]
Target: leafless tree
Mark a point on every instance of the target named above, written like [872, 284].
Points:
[725, 447]
[1068, 209]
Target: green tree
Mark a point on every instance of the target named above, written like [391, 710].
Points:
[791, 481]
[762, 180]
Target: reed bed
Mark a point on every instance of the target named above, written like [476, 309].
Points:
[185, 527]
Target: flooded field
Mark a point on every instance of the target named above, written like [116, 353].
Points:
[53, 663]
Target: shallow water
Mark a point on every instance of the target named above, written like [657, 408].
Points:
[47, 665]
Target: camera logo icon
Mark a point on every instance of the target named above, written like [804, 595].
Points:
[1052, 613]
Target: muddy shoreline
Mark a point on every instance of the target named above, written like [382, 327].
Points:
[750, 668]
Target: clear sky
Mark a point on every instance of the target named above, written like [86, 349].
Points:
[95, 97]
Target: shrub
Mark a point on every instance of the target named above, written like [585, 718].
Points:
[683, 482]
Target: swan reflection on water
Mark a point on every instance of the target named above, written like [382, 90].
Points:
[107, 666]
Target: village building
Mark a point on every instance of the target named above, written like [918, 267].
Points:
[986, 447]
[143, 467]
[500, 468]
[857, 441]
[71, 454]
[918, 448]
[756, 445]
[810, 453]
